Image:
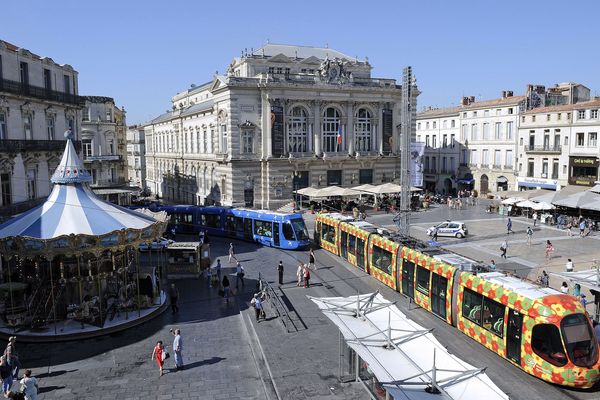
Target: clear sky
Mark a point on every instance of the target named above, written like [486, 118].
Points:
[143, 52]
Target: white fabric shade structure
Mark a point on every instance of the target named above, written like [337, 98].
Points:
[364, 188]
[541, 206]
[385, 188]
[585, 200]
[526, 204]
[307, 191]
[511, 200]
[553, 196]
[336, 191]
[405, 358]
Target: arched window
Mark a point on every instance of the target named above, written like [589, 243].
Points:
[363, 130]
[331, 130]
[297, 131]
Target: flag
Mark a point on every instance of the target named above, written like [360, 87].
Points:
[339, 135]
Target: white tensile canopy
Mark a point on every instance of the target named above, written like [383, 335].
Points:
[553, 196]
[543, 206]
[364, 188]
[526, 204]
[589, 278]
[579, 200]
[511, 200]
[307, 191]
[405, 358]
[330, 191]
[386, 188]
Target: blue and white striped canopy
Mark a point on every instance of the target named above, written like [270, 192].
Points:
[72, 208]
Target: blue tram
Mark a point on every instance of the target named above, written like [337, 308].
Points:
[285, 231]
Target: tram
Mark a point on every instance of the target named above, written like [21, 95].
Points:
[538, 329]
[269, 228]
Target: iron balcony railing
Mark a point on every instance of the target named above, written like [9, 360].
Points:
[37, 92]
[106, 157]
[543, 149]
[17, 145]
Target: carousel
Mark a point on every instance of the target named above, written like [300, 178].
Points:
[71, 267]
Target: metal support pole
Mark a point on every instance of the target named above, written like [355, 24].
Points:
[52, 297]
[137, 273]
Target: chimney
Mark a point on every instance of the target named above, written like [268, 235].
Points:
[464, 101]
[471, 99]
[504, 94]
[509, 93]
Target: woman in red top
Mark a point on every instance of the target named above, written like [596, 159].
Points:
[157, 354]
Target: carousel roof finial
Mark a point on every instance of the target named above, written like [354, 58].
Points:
[70, 169]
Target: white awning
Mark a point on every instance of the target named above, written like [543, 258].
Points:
[385, 188]
[511, 200]
[402, 354]
[589, 278]
[335, 191]
[526, 204]
[307, 191]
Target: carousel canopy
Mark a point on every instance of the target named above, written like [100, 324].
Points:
[73, 209]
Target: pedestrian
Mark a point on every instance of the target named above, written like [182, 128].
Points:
[218, 269]
[177, 348]
[564, 288]
[577, 290]
[6, 375]
[174, 295]
[160, 355]
[300, 274]
[209, 276]
[225, 284]
[492, 265]
[12, 356]
[569, 266]
[311, 259]
[503, 248]
[256, 302]
[509, 226]
[239, 275]
[569, 226]
[201, 236]
[583, 300]
[434, 236]
[545, 279]
[549, 250]
[29, 386]
[582, 228]
[534, 216]
[280, 272]
[231, 253]
[529, 235]
[173, 233]
[306, 277]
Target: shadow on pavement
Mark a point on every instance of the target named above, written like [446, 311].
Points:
[54, 373]
[46, 389]
[210, 361]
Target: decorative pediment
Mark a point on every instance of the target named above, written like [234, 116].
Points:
[280, 58]
[247, 125]
[312, 60]
[218, 82]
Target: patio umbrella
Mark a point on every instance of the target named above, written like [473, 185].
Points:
[364, 188]
[526, 204]
[542, 206]
[554, 196]
[511, 200]
[307, 191]
[386, 188]
[336, 191]
[578, 199]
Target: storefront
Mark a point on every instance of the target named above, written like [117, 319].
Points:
[527, 183]
[430, 182]
[583, 171]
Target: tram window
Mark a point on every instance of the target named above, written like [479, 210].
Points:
[579, 340]
[288, 232]
[545, 342]
[229, 223]
[352, 244]
[328, 233]
[300, 229]
[471, 308]
[493, 316]
[211, 220]
[382, 259]
[183, 219]
[423, 276]
[263, 228]
[239, 224]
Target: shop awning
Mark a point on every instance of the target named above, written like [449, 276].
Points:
[537, 185]
[502, 179]
[405, 358]
[466, 181]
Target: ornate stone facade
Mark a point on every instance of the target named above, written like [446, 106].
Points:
[282, 118]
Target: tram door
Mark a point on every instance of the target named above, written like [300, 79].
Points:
[439, 284]
[276, 234]
[248, 234]
[513, 336]
[344, 243]
[408, 279]
[360, 253]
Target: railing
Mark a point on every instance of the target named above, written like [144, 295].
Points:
[542, 149]
[106, 157]
[463, 164]
[277, 304]
[20, 145]
[496, 166]
[37, 92]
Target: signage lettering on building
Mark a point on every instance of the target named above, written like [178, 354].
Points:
[592, 161]
[277, 131]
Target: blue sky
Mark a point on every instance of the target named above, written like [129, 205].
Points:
[143, 52]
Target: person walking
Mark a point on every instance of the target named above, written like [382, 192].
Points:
[311, 259]
[306, 277]
[6, 375]
[225, 284]
[569, 226]
[492, 265]
[549, 250]
[582, 228]
[12, 356]
[231, 253]
[434, 237]
[174, 297]
[564, 288]
[534, 216]
[300, 274]
[256, 302]
[178, 348]
[509, 226]
[218, 269]
[577, 290]
[209, 276]
[503, 248]
[545, 279]
[239, 275]
[569, 266]
[29, 386]
[280, 272]
[159, 355]
[529, 235]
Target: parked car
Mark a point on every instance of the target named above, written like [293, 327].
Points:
[161, 244]
[449, 228]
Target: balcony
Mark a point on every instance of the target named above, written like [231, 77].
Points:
[37, 92]
[530, 149]
[107, 157]
[496, 166]
[18, 146]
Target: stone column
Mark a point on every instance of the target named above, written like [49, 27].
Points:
[350, 127]
[266, 126]
[317, 127]
[380, 128]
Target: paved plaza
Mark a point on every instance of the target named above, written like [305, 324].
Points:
[230, 356]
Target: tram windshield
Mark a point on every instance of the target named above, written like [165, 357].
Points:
[579, 340]
[300, 229]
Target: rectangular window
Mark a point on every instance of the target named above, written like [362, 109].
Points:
[452, 123]
[581, 114]
[434, 141]
[423, 276]
[486, 157]
[408, 278]
[533, 118]
[382, 259]
[247, 142]
[559, 116]
[510, 110]
[444, 124]
[434, 124]
[47, 79]
[365, 176]
[509, 130]
[419, 126]
[5, 186]
[555, 168]
[498, 111]
[580, 139]
[224, 144]
[327, 233]
[530, 168]
[67, 81]
[426, 140]
[334, 177]
[594, 114]
[50, 127]
[472, 303]
[474, 132]
[474, 157]
[28, 126]
[493, 316]
[497, 158]
[463, 133]
[24, 73]
[486, 131]
[509, 159]
[31, 190]
[427, 125]
[87, 148]
[486, 113]
[592, 139]
[213, 220]
[445, 141]
[3, 129]
[547, 117]
[498, 131]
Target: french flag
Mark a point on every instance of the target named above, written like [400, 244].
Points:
[339, 136]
